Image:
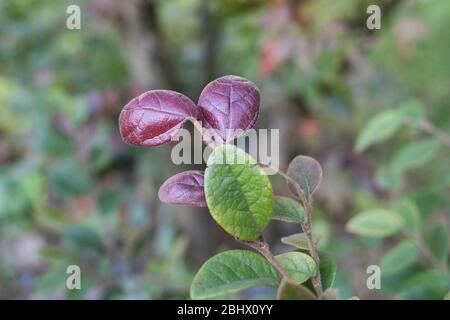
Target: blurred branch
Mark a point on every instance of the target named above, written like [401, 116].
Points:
[211, 23]
[429, 128]
[147, 52]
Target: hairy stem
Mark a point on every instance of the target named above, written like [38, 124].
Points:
[307, 204]
[316, 280]
[263, 247]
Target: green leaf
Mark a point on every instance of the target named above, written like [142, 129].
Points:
[321, 232]
[297, 240]
[415, 155]
[83, 237]
[411, 109]
[409, 213]
[328, 269]
[307, 173]
[400, 257]
[438, 242]
[380, 128]
[374, 223]
[232, 271]
[238, 193]
[388, 178]
[299, 266]
[287, 209]
[289, 290]
[429, 284]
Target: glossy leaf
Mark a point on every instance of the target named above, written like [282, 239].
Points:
[400, 257]
[299, 266]
[375, 223]
[287, 209]
[184, 188]
[154, 117]
[238, 193]
[289, 290]
[229, 103]
[438, 242]
[380, 128]
[307, 172]
[232, 271]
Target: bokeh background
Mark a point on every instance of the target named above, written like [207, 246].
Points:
[71, 192]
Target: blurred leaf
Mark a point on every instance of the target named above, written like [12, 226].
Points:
[299, 266]
[83, 237]
[67, 178]
[438, 242]
[415, 155]
[425, 285]
[374, 223]
[388, 178]
[287, 209]
[289, 290]
[232, 271]
[321, 232]
[400, 257]
[380, 128]
[409, 213]
[412, 109]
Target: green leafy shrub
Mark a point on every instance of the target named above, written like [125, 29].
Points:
[419, 260]
[236, 191]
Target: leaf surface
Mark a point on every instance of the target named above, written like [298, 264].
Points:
[184, 188]
[229, 103]
[238, 193]
[232, 271]
[154, 117]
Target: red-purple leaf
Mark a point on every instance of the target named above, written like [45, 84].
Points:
[229, 103]
[184, 188]
[154, 117]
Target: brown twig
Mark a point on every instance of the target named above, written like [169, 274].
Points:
[428, 127]
[263, 247]
[306, 226]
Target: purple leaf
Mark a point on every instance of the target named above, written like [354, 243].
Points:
[229, 102]
[184, 188]
[154, 117]
[307, 172]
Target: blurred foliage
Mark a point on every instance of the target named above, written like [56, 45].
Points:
[72, 193]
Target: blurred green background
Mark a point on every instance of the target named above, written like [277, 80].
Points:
[71, 192]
